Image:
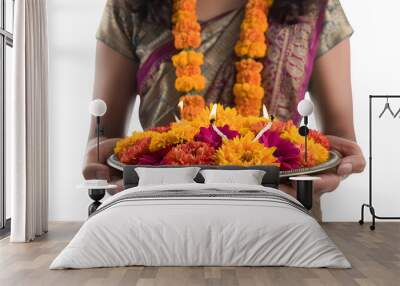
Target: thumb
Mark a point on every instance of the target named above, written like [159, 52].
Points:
[96, 171]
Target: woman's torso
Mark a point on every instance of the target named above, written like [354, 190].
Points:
[292, 50]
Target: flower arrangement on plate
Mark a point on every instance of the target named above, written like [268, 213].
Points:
[221, 136]
[218, 135]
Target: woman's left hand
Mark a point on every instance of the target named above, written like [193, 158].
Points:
[353, 162]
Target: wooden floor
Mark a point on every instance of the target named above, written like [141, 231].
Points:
[375, 257]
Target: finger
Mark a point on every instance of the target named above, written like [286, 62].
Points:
[344, 146]
[328, 183]
[96, 171]
[106, 150]
[356, 162]
[288, 189]
[120, 187]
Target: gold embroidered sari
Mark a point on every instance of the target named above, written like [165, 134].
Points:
[288, 64]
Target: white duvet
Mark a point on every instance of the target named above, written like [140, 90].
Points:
[200, 231]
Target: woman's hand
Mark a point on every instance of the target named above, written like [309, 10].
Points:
[353, 162]
[93, 169]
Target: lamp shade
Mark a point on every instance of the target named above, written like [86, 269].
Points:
[305, 107]
[98, 108]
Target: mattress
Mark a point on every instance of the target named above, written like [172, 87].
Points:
[201, 225]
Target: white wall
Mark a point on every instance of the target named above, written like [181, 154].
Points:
[375, 65]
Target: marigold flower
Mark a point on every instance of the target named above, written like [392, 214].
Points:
[316, 154]
[185, 58]
[187, 84]
[131, 154]
[192, 106]
[249, 64]
[189, 70]
[183, 15]
[187, 40]
[191, 153]
[319, 138]
[185, 5]
[244, 151]
[249, 77]
[291, 133]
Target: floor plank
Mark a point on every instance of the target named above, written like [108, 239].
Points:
[375, 257]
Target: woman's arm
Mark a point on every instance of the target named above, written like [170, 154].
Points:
[115, 84]
[331, 91]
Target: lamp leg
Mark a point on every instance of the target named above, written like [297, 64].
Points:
[305, 193]
[96, 196]
[98, 138]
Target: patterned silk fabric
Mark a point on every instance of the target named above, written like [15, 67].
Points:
[288, 64]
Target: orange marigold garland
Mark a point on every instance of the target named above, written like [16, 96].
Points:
[189, 78]
[252, 45]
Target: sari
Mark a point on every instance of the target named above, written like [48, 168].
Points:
[288, 66]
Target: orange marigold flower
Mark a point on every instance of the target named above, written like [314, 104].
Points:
[250, 49]
[316, 154]
[252, 35]
[319, 138]
[248, 91]
[185, 5]
[187, 40]
[186, 26]
[189, 83]
[249, 77]
[260, 5]
[249, 64]
[189, 70]
[258, 14]
[192, 106]
[132, 154]
[254, 23]
[185, 58]
[183, 15]
[191, 153]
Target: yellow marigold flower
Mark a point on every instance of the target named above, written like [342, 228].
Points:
[162, 140]
[183, 15]
[316, 153]
[243, 151]
[130, 140]
[291, 133]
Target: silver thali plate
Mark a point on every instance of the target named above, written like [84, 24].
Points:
[334, 161]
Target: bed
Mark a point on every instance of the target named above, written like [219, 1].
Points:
[198, 224]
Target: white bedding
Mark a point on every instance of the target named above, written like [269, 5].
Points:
[200, 231]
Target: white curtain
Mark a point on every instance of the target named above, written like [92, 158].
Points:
[28, 123]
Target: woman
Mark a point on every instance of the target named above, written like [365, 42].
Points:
[309, 50]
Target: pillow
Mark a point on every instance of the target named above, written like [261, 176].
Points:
[247, 177]
[166, 176]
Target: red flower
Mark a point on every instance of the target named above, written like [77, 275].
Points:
[211, 137]
[132, 154]
[191, 153]
[319, 138]
[153, 158]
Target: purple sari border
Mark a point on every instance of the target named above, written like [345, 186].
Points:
[155, 59]
[315, 39]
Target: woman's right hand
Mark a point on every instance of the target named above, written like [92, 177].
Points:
[94, 169]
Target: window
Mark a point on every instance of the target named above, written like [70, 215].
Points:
[6, 44]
